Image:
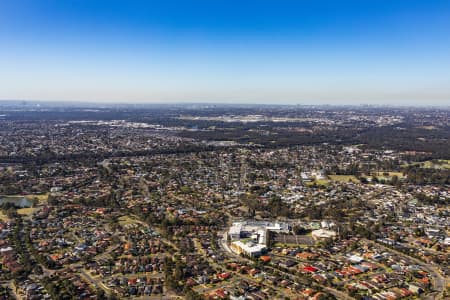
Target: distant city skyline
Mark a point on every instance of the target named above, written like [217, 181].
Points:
[269, 52]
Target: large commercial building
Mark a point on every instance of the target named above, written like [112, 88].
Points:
[249, 248]
[252, 237]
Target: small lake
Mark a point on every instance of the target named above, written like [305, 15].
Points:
[17, 201]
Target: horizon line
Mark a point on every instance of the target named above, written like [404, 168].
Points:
[231, 103]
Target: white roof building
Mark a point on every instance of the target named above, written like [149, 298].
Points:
[256, 230]
[249, 248]
[323, 234]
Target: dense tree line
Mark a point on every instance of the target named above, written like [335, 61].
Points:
[417, 175]
[95, 157]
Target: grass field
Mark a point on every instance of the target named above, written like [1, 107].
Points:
[26, 211]
[126, 220]
[442, 164]
[3, 217]
[398, 174]
[42, 198]
[381, 176]
[320, 182]
[343, 178]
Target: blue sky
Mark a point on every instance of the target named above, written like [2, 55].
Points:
[305, 52]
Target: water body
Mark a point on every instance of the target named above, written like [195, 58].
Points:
[17, 201]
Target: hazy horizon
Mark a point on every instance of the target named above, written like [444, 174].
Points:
[24, 102]
[257, 52]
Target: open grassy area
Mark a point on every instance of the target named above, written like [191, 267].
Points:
[28, 211]
[320, 182]
[3, 217]
[43, 198]
[390, 174]
[126, 220]
[246, 240]
[343, 178]
[442, 164]
[382, 176]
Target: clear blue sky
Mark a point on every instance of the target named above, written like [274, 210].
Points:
[306, 52]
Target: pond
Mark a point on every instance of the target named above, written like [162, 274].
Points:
[17, 201]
